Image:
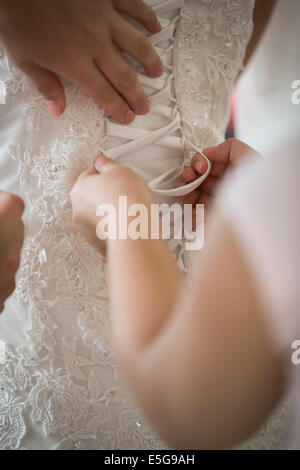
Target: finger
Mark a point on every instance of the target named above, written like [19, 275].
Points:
[189, 174]
[19, 236]
[141, 12]
[225, 154]
[138, 46]
[10, 289]
[207, 201]
[122, 75]
[219, 157]
[7, 286]
[10, 204]
[16, 232]
[87, 174]
[190, 198]
[49, 86]
[91, 80]
[12, 237]
[5, 294]
[14, 262]
[75, 191]
[104, 164]
[219, 153]
[200, 164]
[210, 185]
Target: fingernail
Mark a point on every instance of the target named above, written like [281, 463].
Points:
[129, 117]
[200, 167]
[100, 161]
[186, 171]
[158, 72]
[157, 28]
[145, 108]
[54, 108]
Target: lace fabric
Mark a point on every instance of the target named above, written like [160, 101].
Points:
[63, 389]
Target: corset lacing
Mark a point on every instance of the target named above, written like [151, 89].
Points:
[163, 90]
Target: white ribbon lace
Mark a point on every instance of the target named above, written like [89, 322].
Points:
[165, 184]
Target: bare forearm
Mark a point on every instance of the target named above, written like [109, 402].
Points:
[212, 359]
[144, 285]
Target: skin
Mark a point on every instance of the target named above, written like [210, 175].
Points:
[11, 241]
[80, 41]
[224, 157]
[202, 365]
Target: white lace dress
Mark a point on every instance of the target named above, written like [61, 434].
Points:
[60, 387]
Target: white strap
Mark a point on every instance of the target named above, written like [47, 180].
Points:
[155, 83]
[172, 176]
[161, 95]
[142, 142]
[132, 133]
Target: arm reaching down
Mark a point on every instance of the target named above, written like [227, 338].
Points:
[198, 357]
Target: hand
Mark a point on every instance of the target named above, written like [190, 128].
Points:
[103, 185]
[223, 157]
[79, 39]
[11, 240]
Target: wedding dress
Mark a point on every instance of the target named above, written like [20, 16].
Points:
[60, 387]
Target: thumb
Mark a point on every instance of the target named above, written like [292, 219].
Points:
[103, 164]
[200, 164]
[11, 205]
[50, 87]
[220, 153]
